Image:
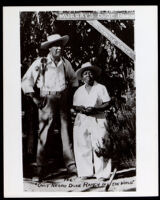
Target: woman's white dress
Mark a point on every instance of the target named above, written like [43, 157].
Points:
[90, 132]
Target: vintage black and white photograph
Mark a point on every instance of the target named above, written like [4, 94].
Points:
[78, 101]
[82, 127]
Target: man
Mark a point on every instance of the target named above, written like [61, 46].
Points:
[47, 82]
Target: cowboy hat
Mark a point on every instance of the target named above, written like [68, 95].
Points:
[87, 66]
[52, 39]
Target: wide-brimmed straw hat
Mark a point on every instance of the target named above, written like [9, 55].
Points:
[87, 66]
[53, 39]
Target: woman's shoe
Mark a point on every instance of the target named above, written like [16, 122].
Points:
[103, 179]
[86, 177]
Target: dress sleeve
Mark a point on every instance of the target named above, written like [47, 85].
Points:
[104, 94]
[76, 98]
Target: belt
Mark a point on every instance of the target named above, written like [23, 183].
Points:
[97, 115]
[44, 93]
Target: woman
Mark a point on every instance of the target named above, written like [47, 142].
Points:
[90, 126]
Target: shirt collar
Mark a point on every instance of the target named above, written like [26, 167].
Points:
[95, 83]
[50, 61]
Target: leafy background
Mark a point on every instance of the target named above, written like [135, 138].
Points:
[118, 75]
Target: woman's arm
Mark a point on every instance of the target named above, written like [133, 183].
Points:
[102, 107]
[80, 109]
[96, 109]
[91, 110]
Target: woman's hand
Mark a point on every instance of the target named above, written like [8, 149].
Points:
[90, 110]
[80, 109]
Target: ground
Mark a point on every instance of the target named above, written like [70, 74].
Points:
[59, 181]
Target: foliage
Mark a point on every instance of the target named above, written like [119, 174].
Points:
[87, 44]
[122, 129]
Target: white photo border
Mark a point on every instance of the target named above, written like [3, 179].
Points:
[146, 68]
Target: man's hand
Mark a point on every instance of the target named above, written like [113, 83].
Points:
[40, 102]
[36, 101]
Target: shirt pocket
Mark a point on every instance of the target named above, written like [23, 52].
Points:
[102, 123]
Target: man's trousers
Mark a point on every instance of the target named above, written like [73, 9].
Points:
[56, 105]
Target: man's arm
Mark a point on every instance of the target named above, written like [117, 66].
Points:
[71, 75]
[28, 83]
[28, 80]
[72, 79]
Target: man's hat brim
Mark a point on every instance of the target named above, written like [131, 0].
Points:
[64, 39]
[96, 70]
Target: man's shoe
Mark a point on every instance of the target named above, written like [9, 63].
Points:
[40, 175]
[37, 179]
[72, 170]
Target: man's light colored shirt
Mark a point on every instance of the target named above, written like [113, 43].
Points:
[54, 78]
[97, 95]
